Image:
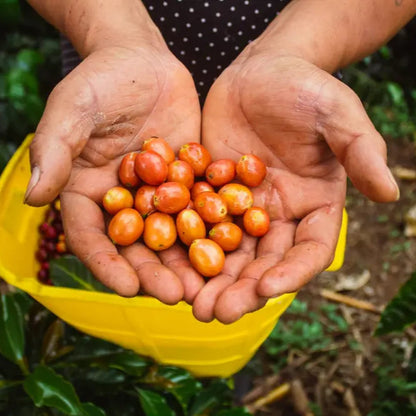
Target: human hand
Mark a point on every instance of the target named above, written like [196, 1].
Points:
[310, 129]
[117, 97]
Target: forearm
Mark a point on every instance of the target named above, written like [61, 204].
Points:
[335, 33]
[92, 24]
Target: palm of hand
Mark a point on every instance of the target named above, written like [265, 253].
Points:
[274, 110]
[106, 107]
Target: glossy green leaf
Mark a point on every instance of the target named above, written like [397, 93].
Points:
[153, 404]
[129, 362]
[47, 388]
[12, 337]
[90, 409]
[68, 271]
[180, 383]
[88, 348]
[98, 375]
[218, 392]
[24, 300]
[401, 311]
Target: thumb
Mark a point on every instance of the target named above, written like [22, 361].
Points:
[62, 133]
[355, 142]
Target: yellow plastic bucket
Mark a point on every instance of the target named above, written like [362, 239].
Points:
[169, 334]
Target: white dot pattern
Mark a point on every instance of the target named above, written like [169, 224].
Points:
[207, 35]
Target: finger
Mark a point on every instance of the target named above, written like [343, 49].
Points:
[61, 135]
[175, 258]
[155, 279]
[204, 303]
[315, 242]
[241, 297]
[271, 248]
[355, 142]
[237, 300]
[85, 233]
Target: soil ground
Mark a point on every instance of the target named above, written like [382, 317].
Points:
[376, 249]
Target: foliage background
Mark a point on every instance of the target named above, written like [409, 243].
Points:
[29, 68]
[42, 358]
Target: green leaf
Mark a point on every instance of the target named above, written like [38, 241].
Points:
[12, 337]
[180, 383]
[401, 311]
[385, 52]
[129, 362]
[215, 394]
[98, 375]
[89, 348]
[153, 404]
[396, 93]
[390, 408]
[68, 271]
[24, 300]
[297, 307]
[29, 59]
[19, 81]
[47, 388]
[6, 384]
[238, 411]
[90, 409]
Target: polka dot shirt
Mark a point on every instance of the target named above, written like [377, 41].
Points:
[207, 35]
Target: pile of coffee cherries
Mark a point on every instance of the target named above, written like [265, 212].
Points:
[51, 244]
[162, 197]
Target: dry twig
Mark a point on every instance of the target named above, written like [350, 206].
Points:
[261, 389]
[337, 386]
[349, 400]
[348, 300]
[319, 391]
[404, 173]
[274, 395]
[300, 399]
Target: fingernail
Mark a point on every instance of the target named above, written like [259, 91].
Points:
[34, 179]
[394, 183]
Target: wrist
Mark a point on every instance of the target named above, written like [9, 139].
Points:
[332, 35]
[91, 26]
[284, 37]
[128, 27]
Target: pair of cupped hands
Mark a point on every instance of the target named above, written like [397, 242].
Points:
[308, 127]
